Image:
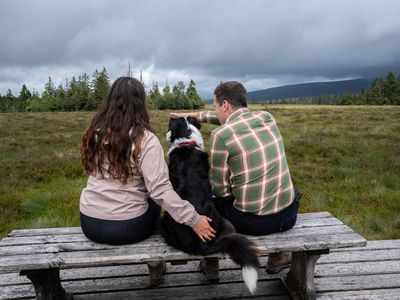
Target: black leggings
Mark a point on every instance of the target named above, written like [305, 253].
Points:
[121, 232]
[251, 224]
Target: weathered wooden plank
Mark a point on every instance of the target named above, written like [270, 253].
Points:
[302, 222]
[377, 245]
[24, 291]
[379, 294]
[58, 239]
[85, 244]
[128, 254]
[55, 239]
[121, 271]
[352, 288]
[69, 230]
[45, 231]
[42, 239]
[336, 263]
[79, 237]
[169, 280]
[298, 233]
[73, 230]
[59, 247]
[359, 256]
[328, 221]
[139, 282]
[266, 289]
[12, 279]
[358, 268]
[366, 282]
[314, 215]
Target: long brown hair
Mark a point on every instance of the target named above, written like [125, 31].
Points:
[120, 123]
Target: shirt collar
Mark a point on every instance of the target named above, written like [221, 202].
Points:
[236, 114]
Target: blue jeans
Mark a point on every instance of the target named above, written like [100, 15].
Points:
[121, 232]
[251, 224]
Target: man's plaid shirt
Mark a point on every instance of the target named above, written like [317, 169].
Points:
[248, 161]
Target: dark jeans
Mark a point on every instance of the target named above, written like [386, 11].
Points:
[251, 224]
[124, 231]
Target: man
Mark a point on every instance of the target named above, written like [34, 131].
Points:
[249, 172]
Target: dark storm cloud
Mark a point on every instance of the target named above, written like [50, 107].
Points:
[262, 43]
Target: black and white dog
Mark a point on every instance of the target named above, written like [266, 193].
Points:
[188, 171]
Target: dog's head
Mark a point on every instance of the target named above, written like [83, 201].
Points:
[184, 131]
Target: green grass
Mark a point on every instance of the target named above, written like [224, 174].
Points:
[345, 160]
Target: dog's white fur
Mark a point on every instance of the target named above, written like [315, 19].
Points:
[250, 277]
[195, 136]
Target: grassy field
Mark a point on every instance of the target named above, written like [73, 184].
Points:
[345, 160]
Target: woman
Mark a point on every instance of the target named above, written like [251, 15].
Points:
[128, 177]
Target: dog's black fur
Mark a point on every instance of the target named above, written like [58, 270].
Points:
[188, 170]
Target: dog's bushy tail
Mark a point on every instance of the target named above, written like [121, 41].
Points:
[245, 253]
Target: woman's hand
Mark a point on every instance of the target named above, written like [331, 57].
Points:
[203, 229]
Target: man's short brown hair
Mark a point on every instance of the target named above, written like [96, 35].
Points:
[232, 91]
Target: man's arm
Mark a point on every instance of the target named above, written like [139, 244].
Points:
[183, 115]
[220, 172]
[202, 116]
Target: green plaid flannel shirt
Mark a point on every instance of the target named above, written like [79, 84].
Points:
[248, 161]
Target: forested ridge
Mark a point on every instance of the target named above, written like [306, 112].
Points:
[86, 93]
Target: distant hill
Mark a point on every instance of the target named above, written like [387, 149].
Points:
[312, 89]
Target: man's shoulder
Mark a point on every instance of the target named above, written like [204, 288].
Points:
[219, 131]
[263, 114]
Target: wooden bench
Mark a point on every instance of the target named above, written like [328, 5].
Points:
[41, 253]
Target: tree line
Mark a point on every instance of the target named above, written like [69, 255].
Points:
[85, 93]
[78, 93]
[178, 98]
[382, 91]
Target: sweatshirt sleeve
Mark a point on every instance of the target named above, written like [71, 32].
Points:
[155, 174]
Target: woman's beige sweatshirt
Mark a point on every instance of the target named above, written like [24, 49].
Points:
[109, 199]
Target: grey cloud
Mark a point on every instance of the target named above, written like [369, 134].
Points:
[264, 41]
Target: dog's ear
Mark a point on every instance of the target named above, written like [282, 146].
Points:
[173, 127]
[194, 122]
[178, 129]
[173, 124]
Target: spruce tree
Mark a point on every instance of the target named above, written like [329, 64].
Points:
[8, 101]
[154, 95]
[49, 90]
[100, 86]
[193, 96]
[23, 98]
[375, 92]
[391, 88]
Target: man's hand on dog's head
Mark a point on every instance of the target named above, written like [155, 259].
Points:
[203, 229]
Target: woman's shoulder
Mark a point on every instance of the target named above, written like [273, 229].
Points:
[149, 136]
[150, 139]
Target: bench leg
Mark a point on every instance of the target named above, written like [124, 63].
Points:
[300, 279]
[47, 284]
[210, 267]
[156, 270]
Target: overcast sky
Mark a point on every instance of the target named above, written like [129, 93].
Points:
[258, 42]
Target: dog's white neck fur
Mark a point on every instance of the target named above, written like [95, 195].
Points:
[195, 136]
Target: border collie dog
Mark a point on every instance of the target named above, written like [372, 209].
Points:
[188, 171]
